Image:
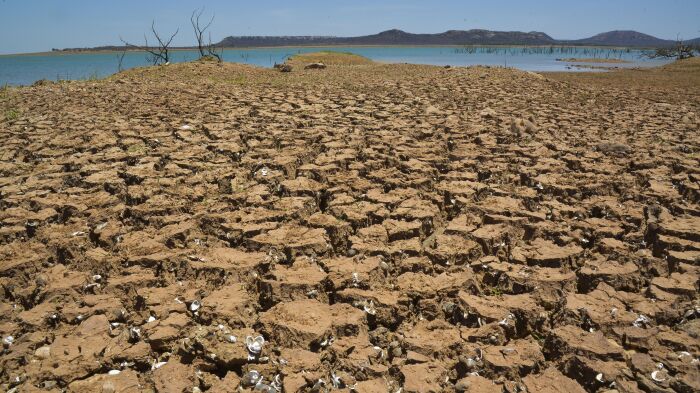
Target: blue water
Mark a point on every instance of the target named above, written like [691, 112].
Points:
[26, 69]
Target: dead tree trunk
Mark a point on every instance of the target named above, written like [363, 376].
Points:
[158, 54]
[205, 49]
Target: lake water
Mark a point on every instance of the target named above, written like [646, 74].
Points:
[26, 69]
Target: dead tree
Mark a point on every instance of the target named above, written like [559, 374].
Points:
[212, 51]
[120, 57]
[157, 54]
[205, 50]
[678, 51]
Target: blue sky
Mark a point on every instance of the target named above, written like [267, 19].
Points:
[39, 25]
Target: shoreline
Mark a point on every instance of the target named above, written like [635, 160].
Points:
[593, 60]
[181, 49]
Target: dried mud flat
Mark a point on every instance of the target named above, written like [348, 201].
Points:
[376, 228]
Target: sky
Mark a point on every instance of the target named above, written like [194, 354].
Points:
[40, 25]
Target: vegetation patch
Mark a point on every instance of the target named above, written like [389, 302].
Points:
[12, 114]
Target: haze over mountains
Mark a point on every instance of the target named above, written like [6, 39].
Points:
[454, 37]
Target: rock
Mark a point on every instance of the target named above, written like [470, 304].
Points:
[521, 126]
[612, 147]
[488, 113]
[315, 66]
[43, 353]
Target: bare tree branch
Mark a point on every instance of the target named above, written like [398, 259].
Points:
[120, 66]
[211, 49]
[199, 31]
[155, 55]
[163, 46]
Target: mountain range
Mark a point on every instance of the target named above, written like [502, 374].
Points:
[624, 38]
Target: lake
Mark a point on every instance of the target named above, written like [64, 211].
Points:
[26, 69]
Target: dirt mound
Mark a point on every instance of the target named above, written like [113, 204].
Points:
[329, 58]
[220, 227]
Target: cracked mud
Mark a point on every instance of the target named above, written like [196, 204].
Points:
[376, 228]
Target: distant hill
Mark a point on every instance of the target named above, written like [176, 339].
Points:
[623, 38]
[399, 37]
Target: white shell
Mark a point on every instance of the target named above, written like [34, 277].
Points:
[135, 333]
[471, 363]
[195, 305]
[114, 372]
[252, 378]
[641, 321]
[369, 308]
[655, 376]
[158, 365]
[255, 345]
[504, 321]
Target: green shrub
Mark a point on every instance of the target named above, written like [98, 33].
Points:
[11, 114]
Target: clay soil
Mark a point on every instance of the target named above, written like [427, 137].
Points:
[383, 228]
